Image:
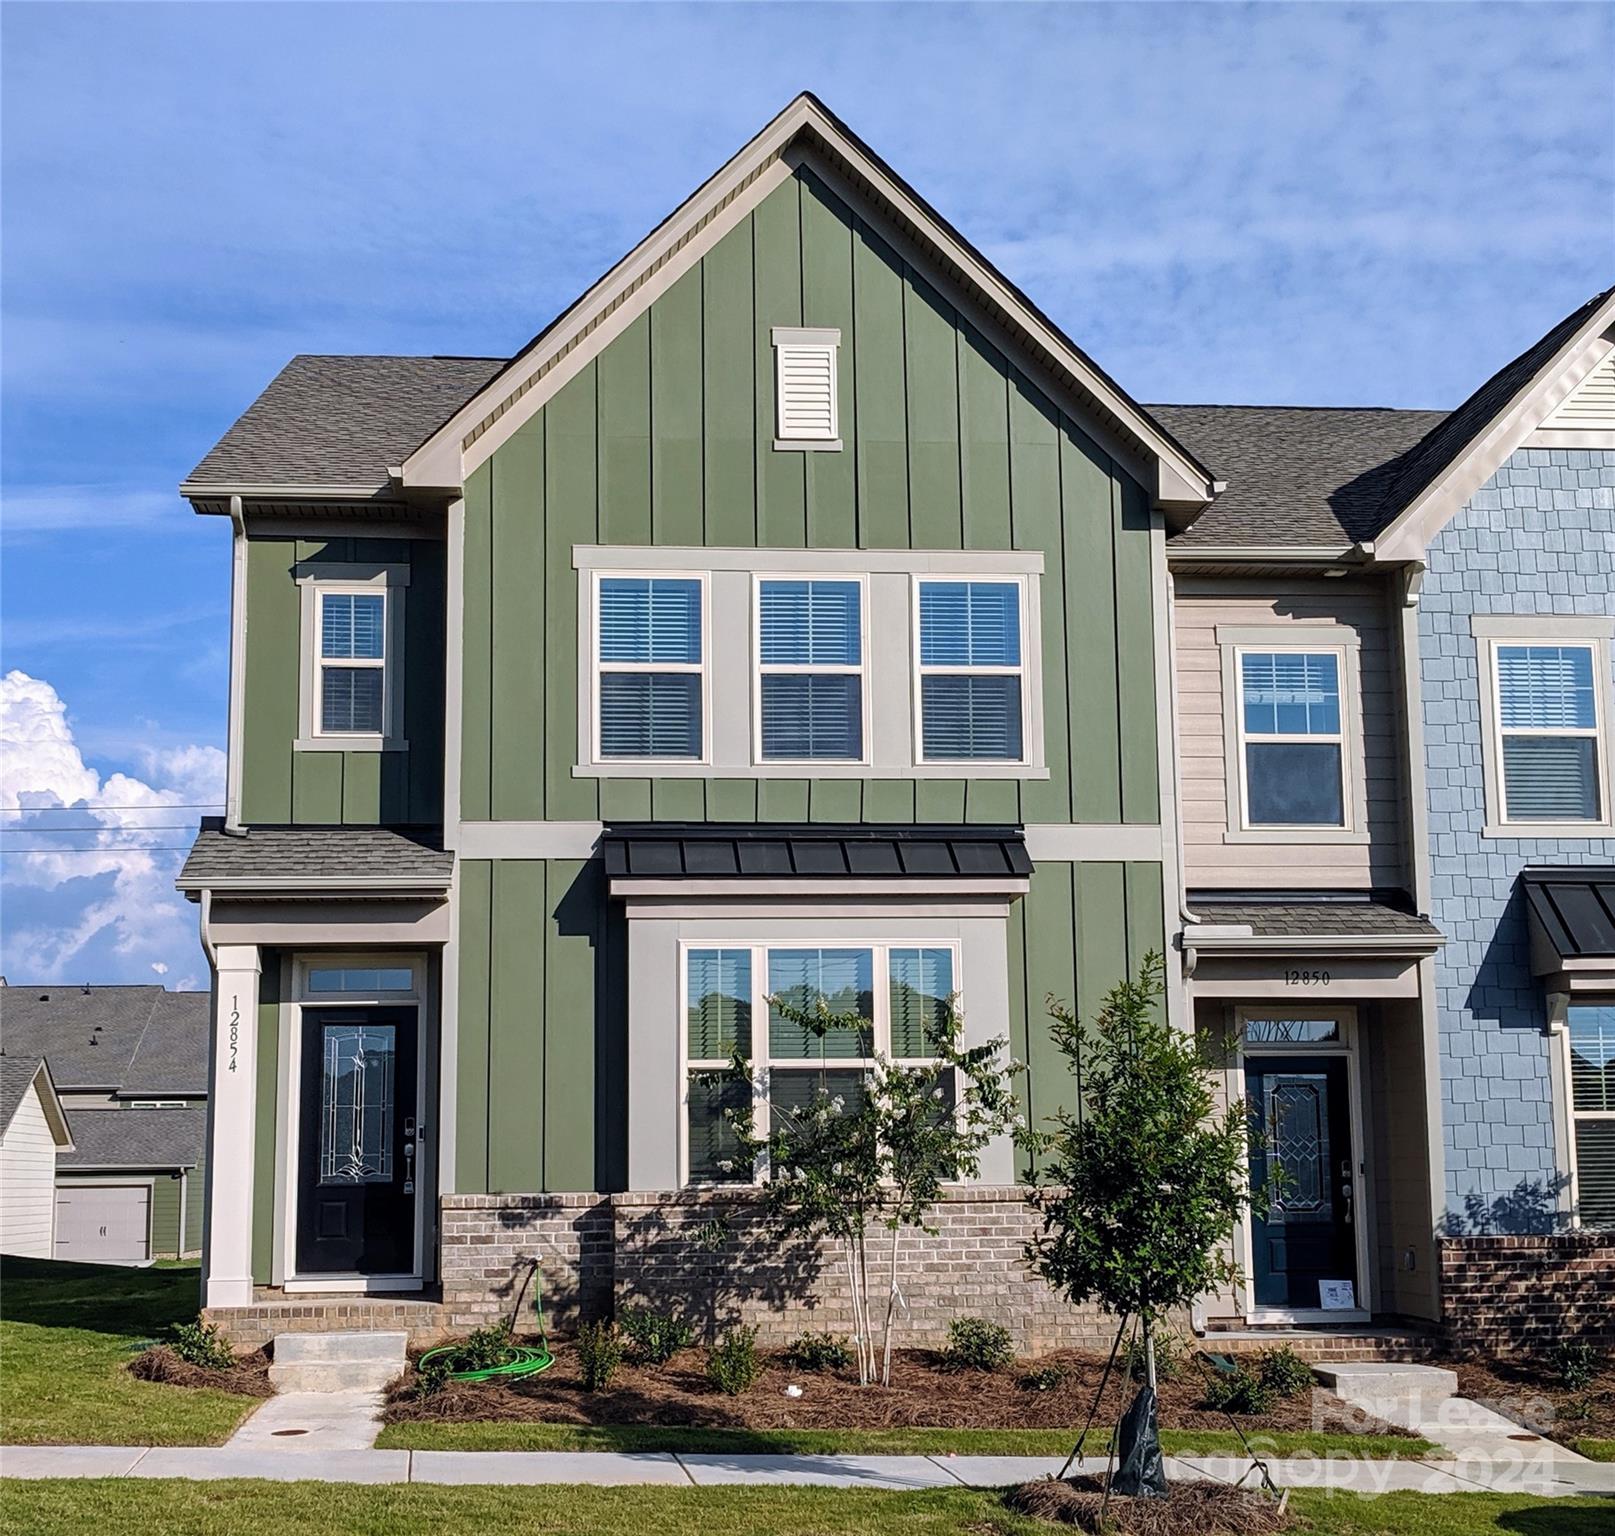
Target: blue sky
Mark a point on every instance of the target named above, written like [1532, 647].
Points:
[1309, 204]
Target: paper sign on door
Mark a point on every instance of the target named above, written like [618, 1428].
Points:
[1337, 1295]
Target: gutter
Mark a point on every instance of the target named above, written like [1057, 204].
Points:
[238, 670]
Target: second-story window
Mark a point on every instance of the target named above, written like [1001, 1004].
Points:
[352, 663]
[971, 677]
[651, 649]
[810, 656]
[1292, 756]
[1547, 717]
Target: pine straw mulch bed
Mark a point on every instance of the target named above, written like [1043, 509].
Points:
[923, 1396]
[1531, 1393]
[1189, 1509]
[249, 1375]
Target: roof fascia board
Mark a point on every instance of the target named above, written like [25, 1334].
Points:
[1409, 534]
[833, 888]
[193, 490]
[1263, 554]
[51, 1102]
[501, 406]
[1334, 944]
[369, 885]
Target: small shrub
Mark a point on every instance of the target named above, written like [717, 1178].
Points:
[654, 1337]
[732, 1365]
[599, 1349]
[1284, 1373]
[818, 1352]
[1046, 1378]
[1576, 1363]
[201, 1344]
[483, 1348]
[1170, 1357]
[974, 1344]
[431, 1378]
[1238, 1391]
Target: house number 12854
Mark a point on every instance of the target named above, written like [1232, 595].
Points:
[235, 1030]
[1306, 978]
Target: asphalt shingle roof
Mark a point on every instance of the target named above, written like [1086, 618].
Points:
[1296, 475]
[16, 1073]
[320, 855]
[142, 1040]
[341, 421]
[135, 1138]
[1316, 919]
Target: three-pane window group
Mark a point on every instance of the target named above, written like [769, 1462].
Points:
[812, 699]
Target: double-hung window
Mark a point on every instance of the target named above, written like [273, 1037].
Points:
[650, 659]
[972, 679]
[1591, 1034]
[1548, 729]
[902, 992]
[811, 682]
[1292, 738]
[351, 662]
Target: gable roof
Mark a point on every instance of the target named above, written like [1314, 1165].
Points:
[127, 1040]
[338, 424]
[135, 1138]
[18, 1074]
[1297, 476]
[805, 127]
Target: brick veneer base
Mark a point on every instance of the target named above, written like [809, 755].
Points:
[1519, 1295]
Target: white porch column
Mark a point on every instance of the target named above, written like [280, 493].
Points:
[233, 1118]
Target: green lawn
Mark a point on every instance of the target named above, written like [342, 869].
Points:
[65, 1508]
[1596, 1450]
[66, 1332]
[496, 1436]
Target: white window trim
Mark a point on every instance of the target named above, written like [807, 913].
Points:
[1315, 639]
[979, 766]
[784, 338]
[889, 650]
[315, 581]
[1567, 1115]
[762, 1065]
[1590, 632]
[598, 668]
[809, 669]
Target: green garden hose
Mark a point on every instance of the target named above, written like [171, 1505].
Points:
[521, 1359]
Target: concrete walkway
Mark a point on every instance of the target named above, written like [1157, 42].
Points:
[1468, 1474]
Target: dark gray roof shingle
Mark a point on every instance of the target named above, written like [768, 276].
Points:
[816, 851]
[321, 856]
[121, 1039]
[135, 1138]
[1314, 919]
[16, 1073]
[341, 421]
[1296, 475]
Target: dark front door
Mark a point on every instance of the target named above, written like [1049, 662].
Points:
[356, 1145]
[1301, 1178]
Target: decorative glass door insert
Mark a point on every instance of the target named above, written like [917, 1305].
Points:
[358, 1102]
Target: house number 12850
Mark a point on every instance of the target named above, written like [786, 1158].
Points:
[1306, 978]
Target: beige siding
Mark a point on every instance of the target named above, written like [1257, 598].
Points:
[27, 1181]
[1213, 858]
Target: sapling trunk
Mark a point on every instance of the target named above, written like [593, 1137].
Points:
[891, 1314]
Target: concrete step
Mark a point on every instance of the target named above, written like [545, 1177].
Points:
[339, 1346]
[336, 1362]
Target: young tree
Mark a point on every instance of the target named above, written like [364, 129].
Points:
[1141, 1186]
[842, 1167]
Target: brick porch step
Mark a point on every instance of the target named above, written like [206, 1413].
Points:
[423, 1321]
[1319, 1345]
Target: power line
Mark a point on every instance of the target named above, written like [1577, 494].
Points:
[80, 810]
[99, 826]
[108, 848]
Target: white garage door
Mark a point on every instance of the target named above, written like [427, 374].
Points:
[103, 1223]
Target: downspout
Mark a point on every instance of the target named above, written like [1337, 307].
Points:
[1177, 765]
[184, 1198]
[238, 648]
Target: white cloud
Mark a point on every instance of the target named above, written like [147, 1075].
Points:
[55, 508]
[101, 894]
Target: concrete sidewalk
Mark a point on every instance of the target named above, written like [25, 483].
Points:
[1522, 1474]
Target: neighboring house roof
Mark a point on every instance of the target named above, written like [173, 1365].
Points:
[340, 423]
[662, 851]
[1326, 917]
[373, 859]
[1297, 476]
[19, 1075]
[135, 1138]
[1576, 908]
[128, 1040]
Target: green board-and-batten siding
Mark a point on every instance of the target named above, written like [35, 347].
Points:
[279, 784]
[542, 1029]
[667, 437]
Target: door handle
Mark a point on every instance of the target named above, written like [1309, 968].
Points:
[1347, 1193]
[409, 1127]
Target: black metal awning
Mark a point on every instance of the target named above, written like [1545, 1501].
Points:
[812, 852]
[1572, 917]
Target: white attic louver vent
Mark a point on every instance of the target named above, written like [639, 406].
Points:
[805, 387]
[1590, 407]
